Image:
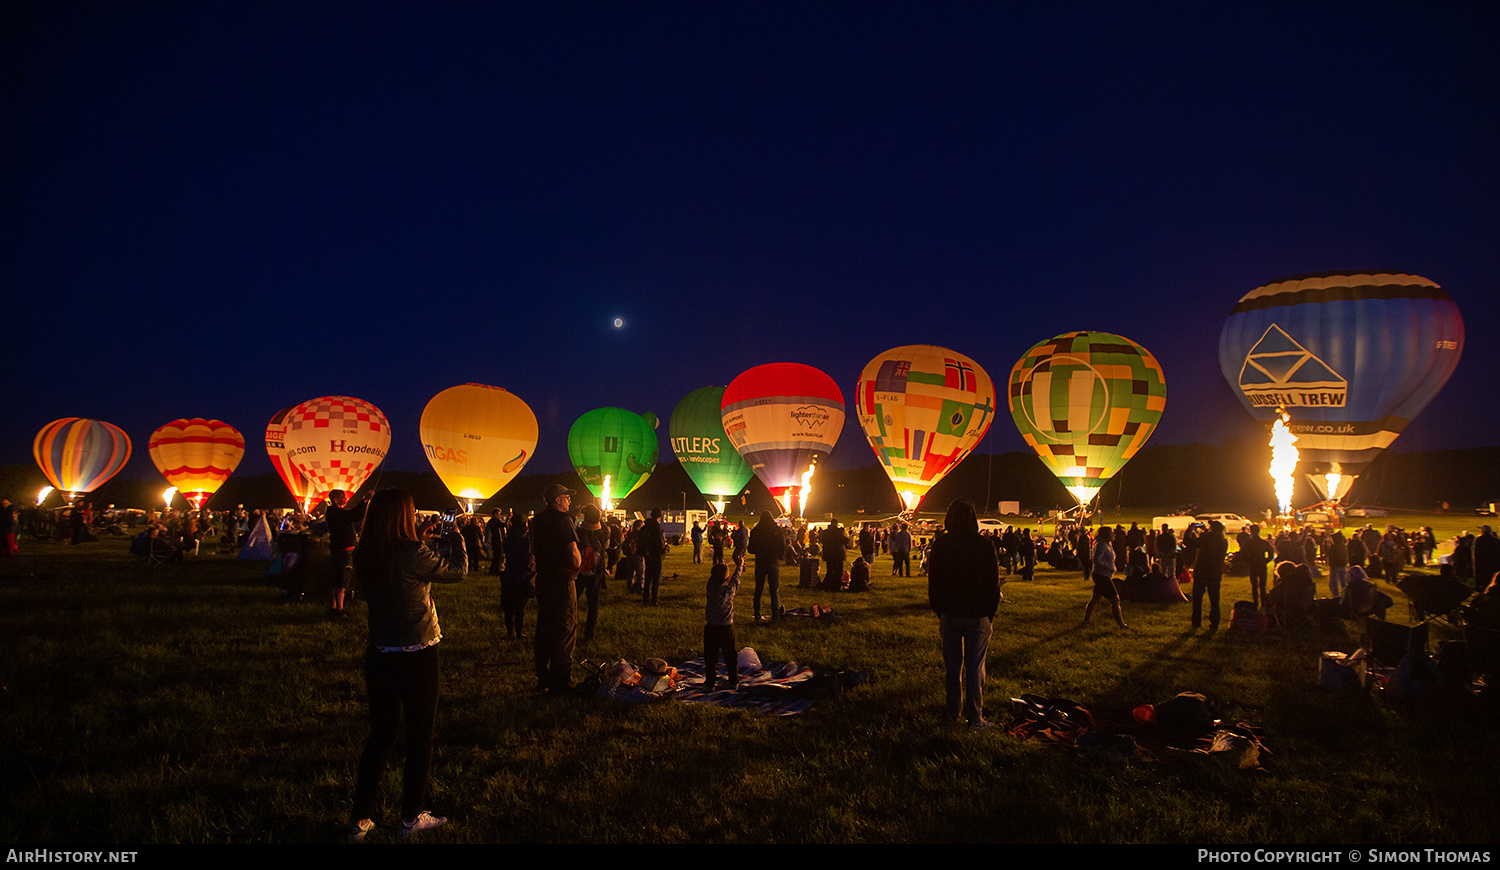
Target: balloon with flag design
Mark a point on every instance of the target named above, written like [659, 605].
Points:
[78, 455]
[336, 442]
[924, 408]
[478, 438]
[783, 418]
[1352, 356]
[196, 455]
[1086, 402]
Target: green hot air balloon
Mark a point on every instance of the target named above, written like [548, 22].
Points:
[613, 450]
[1086, 402]
[703, 448]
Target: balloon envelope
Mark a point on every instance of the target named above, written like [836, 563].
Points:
[702, 446]
[302, 490]
[783, 418]
[78, 454]
[1352, 356]
[616, 443]
[336, 441]
[477, 438]
[196, 455]
[1086, 402]
[923, 409]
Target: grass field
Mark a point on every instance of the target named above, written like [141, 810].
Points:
[184, 704]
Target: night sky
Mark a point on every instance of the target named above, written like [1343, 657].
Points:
[219, 210]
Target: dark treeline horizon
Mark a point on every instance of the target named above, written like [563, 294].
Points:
[1228, 477]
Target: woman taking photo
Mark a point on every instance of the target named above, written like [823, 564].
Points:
[396, 568]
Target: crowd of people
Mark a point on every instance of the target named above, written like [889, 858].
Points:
[564, 554]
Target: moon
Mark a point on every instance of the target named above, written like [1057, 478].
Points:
[619, 322]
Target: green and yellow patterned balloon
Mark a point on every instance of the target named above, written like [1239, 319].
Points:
[1086, 402]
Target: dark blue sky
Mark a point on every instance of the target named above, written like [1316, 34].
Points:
[219, 210]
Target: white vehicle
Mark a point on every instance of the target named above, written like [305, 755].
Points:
[993, 526]
[1178, 523]
[1233, 523]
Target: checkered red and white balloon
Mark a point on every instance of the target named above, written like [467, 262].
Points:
[336, 441]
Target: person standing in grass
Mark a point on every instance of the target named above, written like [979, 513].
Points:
[718, 624]
[768, 545]
[901, 551]
[341, 539]
[963, 587]
[592, 541]
[1208, 573]
[396, 570]
[1103, 568]
[555, 545]
[651, 544]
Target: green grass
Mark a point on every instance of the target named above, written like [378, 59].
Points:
[185, 704]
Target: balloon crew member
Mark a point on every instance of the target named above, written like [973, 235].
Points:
[341, 541]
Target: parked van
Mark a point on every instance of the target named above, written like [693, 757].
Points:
[1178, 524]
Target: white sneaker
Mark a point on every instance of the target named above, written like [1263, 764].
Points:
[359, 829]
[423, 822]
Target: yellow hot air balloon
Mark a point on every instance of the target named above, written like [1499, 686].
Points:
[477, 438]
[923, 408]
[196, 455]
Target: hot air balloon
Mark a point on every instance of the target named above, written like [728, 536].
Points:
[1351, 356]
[336, 441]
[302, 490]
[703, 448]
[783, 418]
[923, 408]
[1086, 402]
[78, 455]
[196, 456]
[613, 450]
[477, 438]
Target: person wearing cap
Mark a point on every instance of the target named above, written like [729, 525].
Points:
[592, 542]
[554, 545]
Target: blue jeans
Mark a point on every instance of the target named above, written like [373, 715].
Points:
[965, 643]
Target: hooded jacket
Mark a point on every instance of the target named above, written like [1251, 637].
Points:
[963, 575]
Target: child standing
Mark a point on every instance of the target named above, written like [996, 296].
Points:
[718, 629]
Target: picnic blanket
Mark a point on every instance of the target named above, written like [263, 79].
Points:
[1147, 733]
[777, 689]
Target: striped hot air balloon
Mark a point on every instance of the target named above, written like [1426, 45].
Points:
[1351, 356]
[196, 455]
[78, 455]
[783, 418]
[1086, 402]
[303, 492]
